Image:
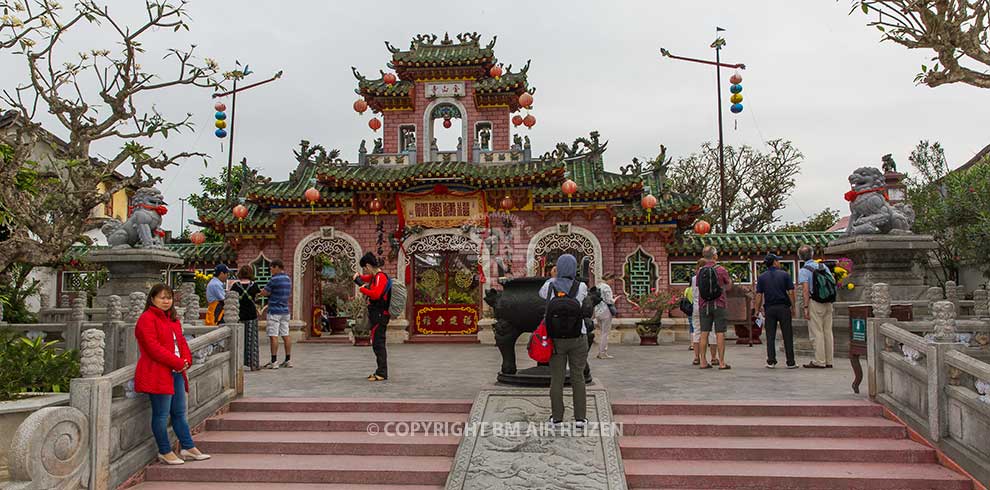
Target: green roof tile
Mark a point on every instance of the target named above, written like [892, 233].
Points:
[751, 243]
[426, 52]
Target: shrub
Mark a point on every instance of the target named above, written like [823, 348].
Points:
[33, 366]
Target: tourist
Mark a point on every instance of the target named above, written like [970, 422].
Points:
[713, 281]
[161, 373]
[774, 297]
[376, 285]
[216, 292]
[278, 290]
[566, 312]
[248, 291]
[817, 308]
[694, 318]
[604, 312]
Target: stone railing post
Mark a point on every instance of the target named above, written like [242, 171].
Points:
[73, 327]
[981, 303]
[952, 294]
[117, 334]
[135, 306]
[874, 363]
[190, 300]
[91, 395]
[91, 352]
[64, 300]
[881, 300]
[945, 340]
[235, 344]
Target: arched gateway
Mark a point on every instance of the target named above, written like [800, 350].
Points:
[436, 215]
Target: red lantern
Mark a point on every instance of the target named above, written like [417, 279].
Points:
[312, 195]
[648, 202]
[389, 79]
[197, 238]
[517, 120]
[569, 187]
[702, 227]
[375, 205]
[374, 124]
[360, 106]
[495, 72]
[507, 203]
[220, 106]
[447, 124]
[240, 211]
[529, 120]
[526, 100]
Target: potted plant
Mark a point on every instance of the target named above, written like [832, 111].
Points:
[356, 310]
[652, 306]
[333, 293]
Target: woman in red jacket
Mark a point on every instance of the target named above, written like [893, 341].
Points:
[161, 373]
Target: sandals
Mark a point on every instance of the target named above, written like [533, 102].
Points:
[724, 368]
[695, 362]
[709, 366]
[375, 377]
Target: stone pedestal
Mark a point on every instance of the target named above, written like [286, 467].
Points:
[891, 259]
[131, 269]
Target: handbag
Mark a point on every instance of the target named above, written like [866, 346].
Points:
[540, 346]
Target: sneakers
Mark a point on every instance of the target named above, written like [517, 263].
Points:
[553, 422]
[271, 365]
[580, 423]
[792, 366]
[771, 365]
[286, 364]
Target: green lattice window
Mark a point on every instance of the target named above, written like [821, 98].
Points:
[680, 272]
[262, 273]
[740, 272]
[83, 281]
[639, 274]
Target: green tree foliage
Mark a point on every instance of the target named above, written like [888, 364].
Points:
[16, 286]
[214, 192]
[34, 366]
[757, 183]
[953, 207]
[821, 221]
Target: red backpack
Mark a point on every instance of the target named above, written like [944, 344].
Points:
[540, 347]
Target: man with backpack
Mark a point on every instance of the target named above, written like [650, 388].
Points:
[376, 286]
[818, 291]
[713, 281]
[565, 314]
[774, 297]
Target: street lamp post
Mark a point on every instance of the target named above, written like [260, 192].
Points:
[182, 216]
[717, 45]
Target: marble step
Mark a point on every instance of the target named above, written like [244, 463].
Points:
[333, 421]
[734, 426]
[329, 443]
[775, 449]
[349, 405]
[836, 408]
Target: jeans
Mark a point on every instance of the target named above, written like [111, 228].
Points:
[174, 406]
[779, 314]
[573, 352]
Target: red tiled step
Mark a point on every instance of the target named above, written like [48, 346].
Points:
[348, 405]
[329, 421]
[168, 485]
[707, 474]
[261, 468]
[835, 408]
[710, 426]
[303, 442]
[775, 449]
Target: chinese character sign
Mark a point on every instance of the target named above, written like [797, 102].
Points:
[434, 90]
[448, 210]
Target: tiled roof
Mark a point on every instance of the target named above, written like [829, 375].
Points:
[593, 183]
[258, 217]
[293, 191]
[372, 177]
[211, 252]
[751, 243]
[378, 87]
[510, 82]
[669, 206]
[446, 53]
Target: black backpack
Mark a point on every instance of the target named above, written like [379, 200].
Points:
[565, 315]
[686, 306]
[708, 287]
[596, 295]
[822, 287]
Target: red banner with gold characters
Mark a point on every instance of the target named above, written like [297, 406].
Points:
[446, 319]
[441, 208]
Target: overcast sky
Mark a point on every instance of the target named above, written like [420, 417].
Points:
[815, 75]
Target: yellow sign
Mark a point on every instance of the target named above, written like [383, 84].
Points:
[442, 210]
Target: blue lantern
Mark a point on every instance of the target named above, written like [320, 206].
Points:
[220, 115]
[736, 88]
[222, 133]
[736, 109]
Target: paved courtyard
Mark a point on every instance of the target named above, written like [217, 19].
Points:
[460, 371]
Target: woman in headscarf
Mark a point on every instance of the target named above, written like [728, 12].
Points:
[568, 350]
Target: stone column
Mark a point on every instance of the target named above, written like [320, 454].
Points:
[91, 361]
[933, 295]
[191, 302]
[981, 303]
[73, 328]
[945, 340]
[119, 337]
[235, 344]
[952, 294]
[881, 300]
[945, 321]
[135, 305]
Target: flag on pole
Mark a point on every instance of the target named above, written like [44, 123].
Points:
[718, 29]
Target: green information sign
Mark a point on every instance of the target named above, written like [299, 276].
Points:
[858, 329]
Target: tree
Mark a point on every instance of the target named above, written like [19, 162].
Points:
[214, 194]
[757, 184]
[821, 221]
[953, 207]
[93, 95]
[956, 30]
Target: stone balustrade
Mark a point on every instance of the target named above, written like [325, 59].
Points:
[103, 438]
[927, 373]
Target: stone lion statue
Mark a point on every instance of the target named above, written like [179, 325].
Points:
[142, 227]
[871, 213]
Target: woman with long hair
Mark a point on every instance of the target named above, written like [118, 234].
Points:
[161, 373]
[248, 291]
